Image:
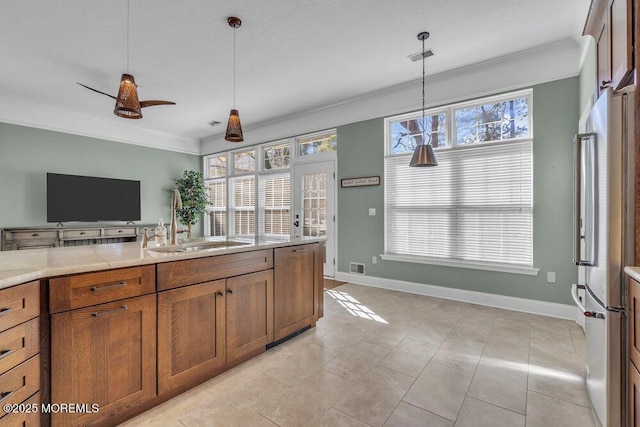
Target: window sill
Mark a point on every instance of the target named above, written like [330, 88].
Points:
[528, 271]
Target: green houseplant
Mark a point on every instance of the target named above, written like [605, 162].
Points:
[194, 198]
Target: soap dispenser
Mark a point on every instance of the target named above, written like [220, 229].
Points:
[161, 233]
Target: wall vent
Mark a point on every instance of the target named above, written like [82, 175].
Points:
[418, 56]
[356, 268]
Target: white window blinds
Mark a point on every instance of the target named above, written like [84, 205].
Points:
[476, 205]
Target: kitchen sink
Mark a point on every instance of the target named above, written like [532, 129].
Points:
[197, 246]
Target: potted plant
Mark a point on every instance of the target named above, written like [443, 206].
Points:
[194, 198]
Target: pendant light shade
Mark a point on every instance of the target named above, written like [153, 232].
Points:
[234, 128]
[423, 154]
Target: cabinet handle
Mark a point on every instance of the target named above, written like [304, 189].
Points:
[5, 394]
[119, 231]
[605, 84]
[109, 287]
[221, 293]
[35, 235]
[295, 251]
[82, 233]
[5, 310]
[5, 353]
[105, 313]
[230, 291]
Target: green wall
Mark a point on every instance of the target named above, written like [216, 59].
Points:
[27, 154]
[555, 118]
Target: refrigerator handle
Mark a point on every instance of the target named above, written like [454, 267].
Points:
[583, 171]
[583, 309]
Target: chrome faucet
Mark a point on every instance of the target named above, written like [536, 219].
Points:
[176, 203]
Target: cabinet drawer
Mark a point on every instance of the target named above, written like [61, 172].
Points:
[80, 234]
[33, 235]
[181, 273]
[83, 290]
[18, 344]
[126, 231]
[19, 304]
[19, 383]
[29, 417]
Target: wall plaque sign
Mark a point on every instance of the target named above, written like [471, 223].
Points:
[360, 182]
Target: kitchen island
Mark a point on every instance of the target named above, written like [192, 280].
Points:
[113, 330]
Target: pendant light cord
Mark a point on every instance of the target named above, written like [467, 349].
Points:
[234, 68]
[424, 124]
[128, 4]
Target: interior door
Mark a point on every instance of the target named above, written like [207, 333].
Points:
[314, 206]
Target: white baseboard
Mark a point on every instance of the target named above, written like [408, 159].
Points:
[562, 311]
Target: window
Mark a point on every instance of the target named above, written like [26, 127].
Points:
[475, 207]
[250, 188]
[318, 143]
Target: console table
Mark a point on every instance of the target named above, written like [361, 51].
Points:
[50, 237]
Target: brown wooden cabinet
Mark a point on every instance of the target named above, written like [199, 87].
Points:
[610, 22]
[105, 355]
[249, 314]
[634, 322]
[191, 342]
[297, 288]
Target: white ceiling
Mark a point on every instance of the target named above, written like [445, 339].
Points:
[292, 56]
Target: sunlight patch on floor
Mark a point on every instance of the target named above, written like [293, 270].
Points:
[354, 307]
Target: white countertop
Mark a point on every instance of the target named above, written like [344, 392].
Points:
[633, 272]
[18, 267]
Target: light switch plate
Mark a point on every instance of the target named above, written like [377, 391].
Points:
[551, 277]
[372, 211]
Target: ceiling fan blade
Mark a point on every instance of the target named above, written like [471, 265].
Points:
[152, 103]
[90, 88]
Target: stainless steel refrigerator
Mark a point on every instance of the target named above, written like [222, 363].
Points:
[603, 245]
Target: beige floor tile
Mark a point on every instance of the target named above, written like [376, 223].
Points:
[433, 331]
[301, 364]
[551, 326]
[376, 396]
[335, 418]
[388, 336]
[226, 417]
[472, 311]
[475, 413]
[544, 411]
[502, 384]
[326, 385]
[338, 341]
[406, 415]
[356, 361]
[550, 343]
[409, 357]
[558, 375]
[473, 329]
[460, 353]
[440, 389]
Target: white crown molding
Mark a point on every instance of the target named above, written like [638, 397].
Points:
[562, 311]
[18, 112]
[541, 64]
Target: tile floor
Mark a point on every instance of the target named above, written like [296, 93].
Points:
[386, 358]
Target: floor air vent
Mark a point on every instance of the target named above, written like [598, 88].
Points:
[356, 268]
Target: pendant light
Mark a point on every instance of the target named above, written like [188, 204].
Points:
[423, 155]
[234, 128]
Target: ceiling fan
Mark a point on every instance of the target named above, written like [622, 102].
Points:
[127, 104]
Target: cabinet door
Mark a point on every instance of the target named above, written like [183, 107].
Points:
[105, 355]
[249, 313]
[620, 13]
[297, 287]
[634, 322]
[634, 396]
[191, 345]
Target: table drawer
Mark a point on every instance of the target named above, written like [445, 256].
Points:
[19, 304]
[84, 290]
[19, 344]
[19, 383]
[181, 273]
[28, 415]
[80, 234]
[125, 231]
[33, 235]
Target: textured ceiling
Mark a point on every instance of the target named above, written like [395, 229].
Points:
[292, 55]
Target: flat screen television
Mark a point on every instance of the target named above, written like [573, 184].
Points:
[89, 199]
